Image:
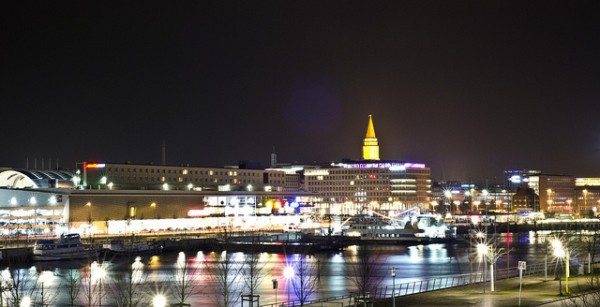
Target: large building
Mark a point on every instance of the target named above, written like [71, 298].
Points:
[556, 192]
[515, 179]
[126, 176]
[27, 207]
[354, 187]
[587, 196]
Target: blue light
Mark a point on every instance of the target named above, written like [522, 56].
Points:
[295, 204]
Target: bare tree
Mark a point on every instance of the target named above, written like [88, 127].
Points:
[587, 244]
[72, 280]
[47, 298]
[364, 273]
[252, 274]
[305, 280]
[94, 288]
[183, 280]
[252, 271]
[20, 283]
[227, 272]
[130, 285]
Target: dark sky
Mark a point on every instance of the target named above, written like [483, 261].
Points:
[469, 87]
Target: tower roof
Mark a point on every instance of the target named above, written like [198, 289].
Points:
[370, 129]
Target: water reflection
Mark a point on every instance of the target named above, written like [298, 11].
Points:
[332, 270]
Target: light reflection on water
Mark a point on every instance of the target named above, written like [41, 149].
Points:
[412, 263]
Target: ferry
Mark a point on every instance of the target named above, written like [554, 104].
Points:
[67, 247]
[376, 230]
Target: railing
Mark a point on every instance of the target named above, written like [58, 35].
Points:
[427, 285]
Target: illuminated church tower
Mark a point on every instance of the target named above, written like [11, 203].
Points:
[370, 145]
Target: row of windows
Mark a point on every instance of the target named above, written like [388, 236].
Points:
[374, 170]
[192, 172]
[121, 179]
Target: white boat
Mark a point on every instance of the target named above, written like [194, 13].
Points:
[134, 248]
[68, 246]
[373, 229]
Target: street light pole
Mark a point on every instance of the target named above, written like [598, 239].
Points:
[393, 286]
[585, 192]
[288, 273]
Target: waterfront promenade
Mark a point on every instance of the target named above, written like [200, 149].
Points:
[535, 292]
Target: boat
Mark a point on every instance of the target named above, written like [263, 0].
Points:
[67, 247]
[377, 230]
[118, 247]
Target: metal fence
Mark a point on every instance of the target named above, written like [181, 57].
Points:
[549, 269]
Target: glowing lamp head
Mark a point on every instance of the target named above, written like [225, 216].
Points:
[288, 272]
[482, 249]
[159, 301]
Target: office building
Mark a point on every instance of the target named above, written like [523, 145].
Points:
[556, 192]
[354, 187]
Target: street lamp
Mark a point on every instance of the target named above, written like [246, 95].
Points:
[44, 277]
[549, 201]
[98, 273]
[288, 274]
[89, 205]
[153, 206]
[585, 193]
[448, 195]
[394, 286]
[485, 203]
[159, 300]
[561, 252]
[25, 302]
[482, 251]
[434, 204]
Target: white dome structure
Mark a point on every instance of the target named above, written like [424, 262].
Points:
[31, 179]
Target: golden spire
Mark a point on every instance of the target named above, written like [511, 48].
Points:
[370, 129]
[370, 144]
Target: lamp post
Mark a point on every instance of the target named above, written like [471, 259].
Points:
[89, 205]
[585, 193]
[434, 204]
[43, 278]
[448, 195]
[485, 203]
[549, 201]
[393, 286]
[275, 286]
[562, 252]
[98, 274]
[153, 206]
[288, 273]
[482, 251]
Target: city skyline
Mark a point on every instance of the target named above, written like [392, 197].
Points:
[470, 89]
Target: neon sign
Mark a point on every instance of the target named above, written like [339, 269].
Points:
[95, 165]
[393, 166]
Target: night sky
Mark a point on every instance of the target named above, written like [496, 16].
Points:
[470, 88]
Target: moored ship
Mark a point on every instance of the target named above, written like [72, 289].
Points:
[68, 246]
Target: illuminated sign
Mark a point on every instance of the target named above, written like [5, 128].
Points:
[95, 165]
[317, 172]
[392, 166]
[201, 212]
